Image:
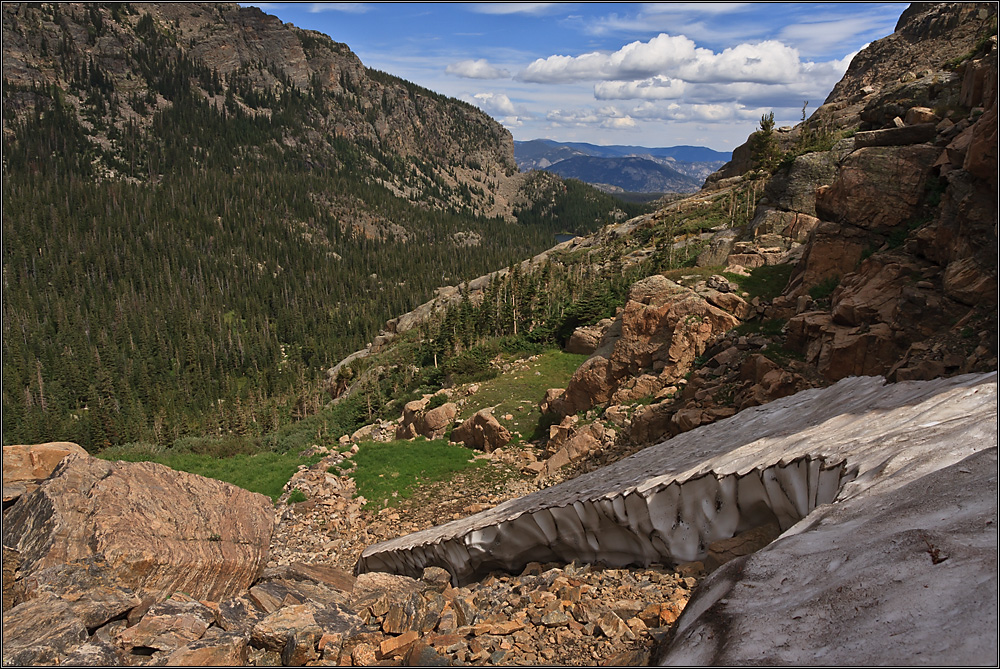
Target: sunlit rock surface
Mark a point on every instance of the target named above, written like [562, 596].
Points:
[142, 526]
[668, 502]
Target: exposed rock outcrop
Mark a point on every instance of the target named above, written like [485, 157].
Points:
[198, 535]
[25, 466]
[660, 332]
[586, 339]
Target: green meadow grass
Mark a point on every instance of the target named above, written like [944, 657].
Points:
[388, 472]
[265, 472]
[519, 391]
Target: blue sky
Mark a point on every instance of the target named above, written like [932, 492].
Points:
[649, 74]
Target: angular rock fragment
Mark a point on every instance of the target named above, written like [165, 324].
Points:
[482, 431]
[227, 649]
[26, 642]
[168, 626]
[238, 614]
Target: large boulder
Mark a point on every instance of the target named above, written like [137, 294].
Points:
[661, 331]
[434, 423]
[782, 227]
[25, 466]
[408, 421]
[417, 420]
[154, 530]
[482, 431]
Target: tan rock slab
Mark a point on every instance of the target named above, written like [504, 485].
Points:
[398, 645]
[195, 535]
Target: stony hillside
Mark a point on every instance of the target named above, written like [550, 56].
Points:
[915, 66]
[242, 58]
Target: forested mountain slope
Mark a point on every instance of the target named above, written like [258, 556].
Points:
[204, 207]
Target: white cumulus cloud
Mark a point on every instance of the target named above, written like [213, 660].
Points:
[706, 113]
[477, 69]
[513, 7]
[676, 57]
[496, 104]
[606, 117]
[654, 88]
[346, 7]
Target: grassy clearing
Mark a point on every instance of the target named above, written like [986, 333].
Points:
[770, 327]
[696, 274]
[519, 391]
[261, 464]
[388, 472]
[265, 472]
[766, 282]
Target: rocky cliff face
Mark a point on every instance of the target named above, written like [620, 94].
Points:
[242, 57]
[918, 65]
[902, 248]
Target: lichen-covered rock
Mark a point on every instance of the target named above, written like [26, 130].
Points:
[878, 187]
[794, 190]
[197, 535]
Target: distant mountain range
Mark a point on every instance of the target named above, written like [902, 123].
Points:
[639, 169]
